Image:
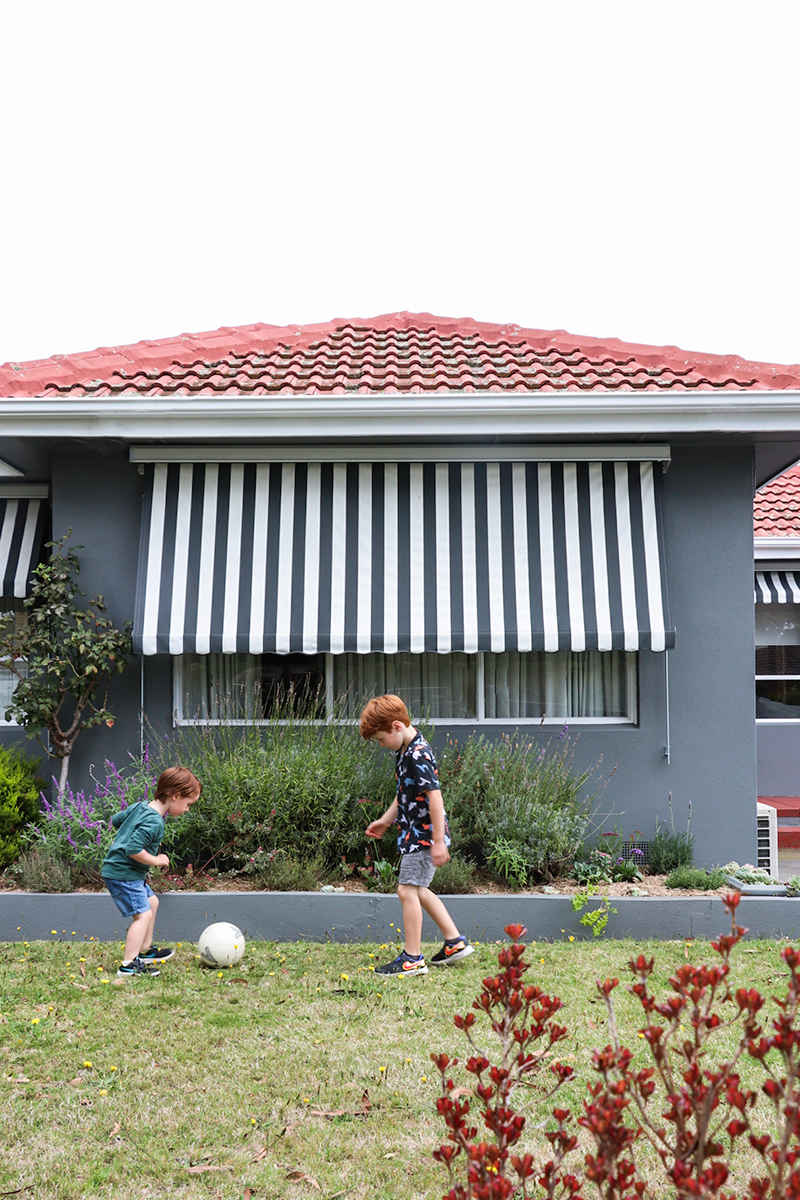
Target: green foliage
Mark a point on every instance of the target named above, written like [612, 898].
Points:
[380, 875]
[669, 850]
[64, 657]
[281, 872]
[40, 870]
[697, 878]
[291, 784]
[19, 797]
[596, 918]
[458, 877]
[516, 804]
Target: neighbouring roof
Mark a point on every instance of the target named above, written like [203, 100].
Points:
[776, 510]
[398, 352]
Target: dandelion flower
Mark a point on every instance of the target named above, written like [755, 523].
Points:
[54, 931]
[87, 1063]
[346, 978]
[112, 1068]
[35, 1021]
[382, 1068]
[252, 1120]
[102, 1092]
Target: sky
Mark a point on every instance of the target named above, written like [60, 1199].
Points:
[615, 169]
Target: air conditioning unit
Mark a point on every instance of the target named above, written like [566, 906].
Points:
[767, 819]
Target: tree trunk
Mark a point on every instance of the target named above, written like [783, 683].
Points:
[62, 783]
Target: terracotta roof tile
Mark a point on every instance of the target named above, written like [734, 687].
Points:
[776, 510]
[400, 352]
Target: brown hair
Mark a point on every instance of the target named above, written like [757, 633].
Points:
[177, 781]
[379, 714]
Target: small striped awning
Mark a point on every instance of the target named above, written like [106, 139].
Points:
[305, 557]
[22, 529]
[777, 587]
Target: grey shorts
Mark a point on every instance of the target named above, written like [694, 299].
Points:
[417, 869]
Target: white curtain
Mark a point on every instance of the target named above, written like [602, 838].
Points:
[221, 687]
[557, 685]
[438, 686]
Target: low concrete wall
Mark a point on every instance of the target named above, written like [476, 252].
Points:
[365, 917]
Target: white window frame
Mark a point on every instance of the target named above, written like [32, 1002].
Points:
[180, 719]
[766, 678]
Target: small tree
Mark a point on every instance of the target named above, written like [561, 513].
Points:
[64, 658]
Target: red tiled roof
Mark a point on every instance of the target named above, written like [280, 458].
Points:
[399, 352]
[776, 510]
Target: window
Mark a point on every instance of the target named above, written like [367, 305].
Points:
[10, 610]
[778, 662]
[513, 686]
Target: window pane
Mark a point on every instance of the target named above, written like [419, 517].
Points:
[778, 624]
[778, 699]
[237, 687]
[778, 660]
[438, 686]
[559, 686]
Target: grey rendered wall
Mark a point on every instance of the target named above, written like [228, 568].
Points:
[778, 759]
[97, 493]
[708, 526]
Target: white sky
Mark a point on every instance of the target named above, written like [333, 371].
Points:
[615, 169]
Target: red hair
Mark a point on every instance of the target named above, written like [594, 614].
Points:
[380, 713]
[177, 781]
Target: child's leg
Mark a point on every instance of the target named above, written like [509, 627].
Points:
[140, 931]
[412, 917]
[437, 912]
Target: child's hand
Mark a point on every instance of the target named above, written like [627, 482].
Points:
[161, 860]
[439, 854]
[376, 829]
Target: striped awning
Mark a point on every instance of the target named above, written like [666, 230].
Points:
[777, 587]
[22, 529]
[305, 557]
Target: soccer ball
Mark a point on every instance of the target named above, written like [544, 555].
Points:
[221, 945]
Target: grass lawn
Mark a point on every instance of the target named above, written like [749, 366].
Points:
[297, 1073]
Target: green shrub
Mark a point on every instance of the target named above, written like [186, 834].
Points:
[283, 873]
[19, 801]
[293, 784]
[669, 850]
[697, 878]
[458, 877]
[516, 804]
[40, 870]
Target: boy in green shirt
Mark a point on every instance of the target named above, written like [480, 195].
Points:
[134, 851]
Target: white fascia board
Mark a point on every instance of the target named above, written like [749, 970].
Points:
[775, 550]
[449, 416]
[386, 452]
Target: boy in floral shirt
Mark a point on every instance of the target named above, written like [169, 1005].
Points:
[423, 835]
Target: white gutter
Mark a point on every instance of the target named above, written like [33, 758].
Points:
[417, 416]
[776, 550]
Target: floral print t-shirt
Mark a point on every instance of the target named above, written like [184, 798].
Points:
[416, 776]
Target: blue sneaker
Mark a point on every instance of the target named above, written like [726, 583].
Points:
[137, 966]
[403, 965]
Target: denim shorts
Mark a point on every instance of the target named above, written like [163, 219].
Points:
[131, 896]
[417, 869]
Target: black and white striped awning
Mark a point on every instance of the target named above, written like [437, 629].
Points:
[22, 529]
[777, 587]
[310, 557]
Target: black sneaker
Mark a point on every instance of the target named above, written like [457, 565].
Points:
[137, 966]
[403, 965]
[452, 952]
[157, 954]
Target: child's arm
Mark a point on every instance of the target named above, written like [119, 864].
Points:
[150, 860]
[439, 852]
[376, 829]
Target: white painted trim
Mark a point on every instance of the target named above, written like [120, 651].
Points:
[406, 454]
[720, 412]
[776, 550]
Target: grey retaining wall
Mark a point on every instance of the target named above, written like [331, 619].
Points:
[365, 917]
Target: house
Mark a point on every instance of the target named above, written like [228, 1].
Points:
[776, 528]
[507, 525]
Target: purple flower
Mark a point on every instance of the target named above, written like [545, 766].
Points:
[563, 733]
